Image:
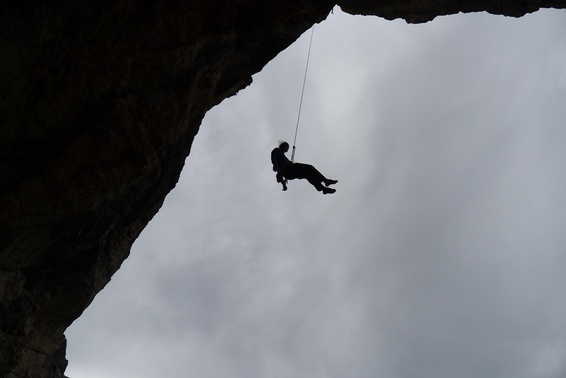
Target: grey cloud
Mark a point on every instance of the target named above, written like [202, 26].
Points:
[440, 255]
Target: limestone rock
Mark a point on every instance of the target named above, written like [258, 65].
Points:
[100, 103]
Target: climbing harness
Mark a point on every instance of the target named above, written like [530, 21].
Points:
[302, 94]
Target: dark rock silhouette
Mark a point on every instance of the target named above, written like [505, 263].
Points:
[100, 103]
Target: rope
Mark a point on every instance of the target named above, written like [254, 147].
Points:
[302, 94]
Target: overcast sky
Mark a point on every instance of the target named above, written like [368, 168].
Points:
[442, 254]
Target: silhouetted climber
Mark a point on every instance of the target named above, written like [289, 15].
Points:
[287, 170]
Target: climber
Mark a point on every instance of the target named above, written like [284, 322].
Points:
[287, 170]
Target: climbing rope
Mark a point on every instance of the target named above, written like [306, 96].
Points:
[302, 94]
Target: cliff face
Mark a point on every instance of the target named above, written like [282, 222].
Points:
[100, 103]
